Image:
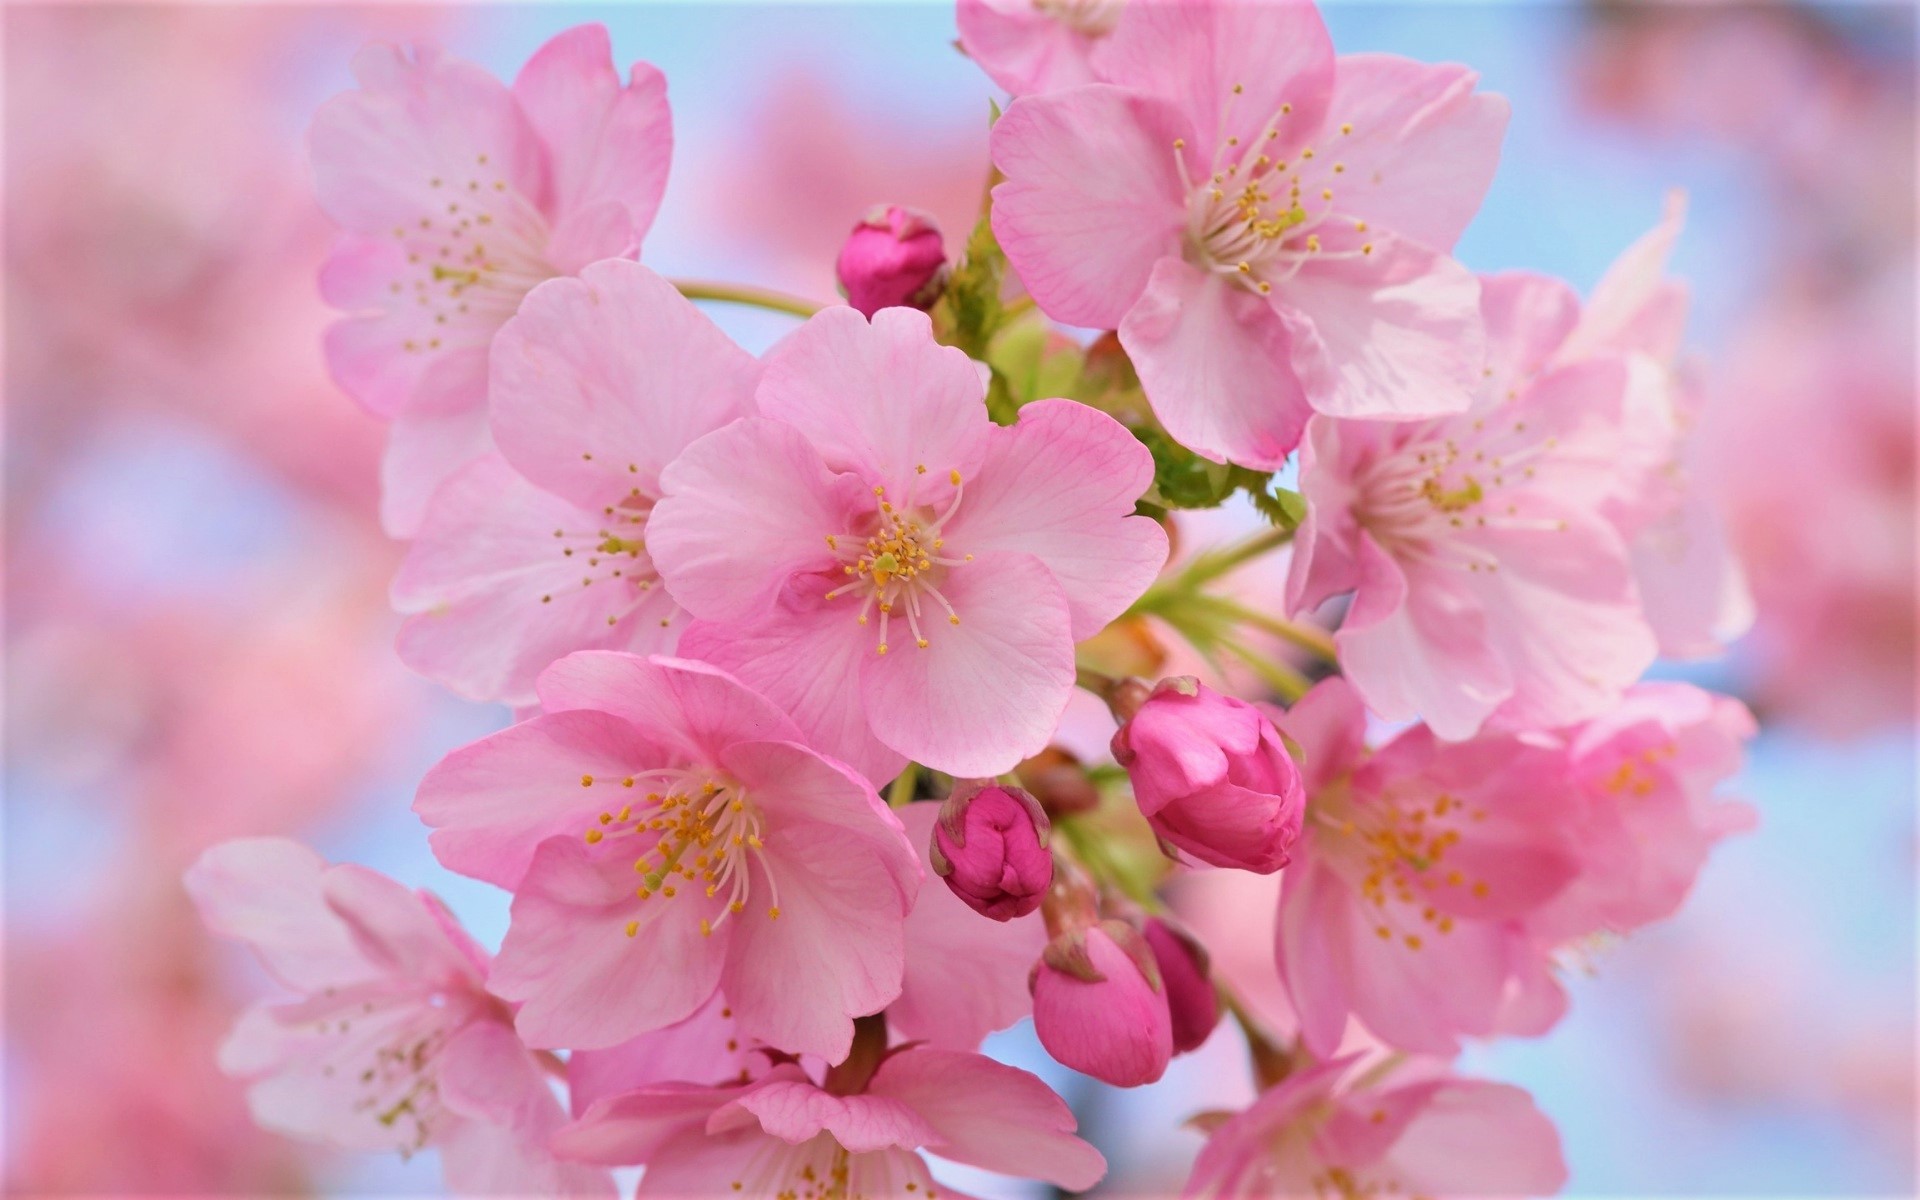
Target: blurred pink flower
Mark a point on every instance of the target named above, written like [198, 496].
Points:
[797, 879]
[522, 557]
[872, 550]
[1406, 901]
[1267, 229]
[1489, 587]
[393, 1043]
[458, 196]
[785, 1134]
[1340, 1128]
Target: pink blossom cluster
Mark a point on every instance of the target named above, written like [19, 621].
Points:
[788, 815]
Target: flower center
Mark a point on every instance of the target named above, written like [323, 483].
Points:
[1260, 219]
[1395, 850]
[895, 567]
[696, 828]
[1090, 18]
[478, 251]
[613, 554]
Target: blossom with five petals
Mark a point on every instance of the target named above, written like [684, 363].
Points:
[458, 195]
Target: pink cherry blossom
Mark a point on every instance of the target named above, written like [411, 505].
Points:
[1340, 1128]
[966, 976]
[393, 1042]
[1405, 903]
[667, 832]
[1488, 583]
[458, 195]
[1029, 46]
[875, 555]
[524, 556]
[786, 1134]
[1691, 587]
[1266, 228]
[1212, 776]
[1647, 815]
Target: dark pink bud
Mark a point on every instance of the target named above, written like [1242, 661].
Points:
[990, 845]
[1213, 776]
[894, 257]
[1185, 973]
[1098, 1005]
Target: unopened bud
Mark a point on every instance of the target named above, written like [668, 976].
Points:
[894, 257]
[1213, 777]
[1099, 1006]
[990, 845]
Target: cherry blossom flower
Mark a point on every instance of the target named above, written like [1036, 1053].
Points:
[1488, 582]
[394, 1042]
[540, 550]
[879, 558]
[1405, 902]
[1029, 46]
[1343, 1128]
[786, 1134]
[667, 832]
[1266, 228]
[458, 196]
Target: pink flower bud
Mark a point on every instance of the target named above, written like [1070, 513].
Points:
[990, 845]
[1213, 777]
[1186, 974]
[893, 257]
[1099, 1007]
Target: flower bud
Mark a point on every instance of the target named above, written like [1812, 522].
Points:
[990, 845]
[893, 257]
[1213, 777]
[1098, 1004]
[1186, 974]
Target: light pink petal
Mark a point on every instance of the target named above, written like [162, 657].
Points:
[879, 398]
[601, 230]
[1022, 48]
[1635, 307]
[488, 1077]
[1061, 486]
[704, 1048]
[692, 708]
[1393, 334]
[603, 380]
[989, 1115]
[1229, 66]
[1692, 588]
[504, 578]
[793, 785]
[987, 692]
[584, 982]
[423, 450]
[491, 803]
[266, 892]
[966, 976]
[805, 658]
[835, 951]
[396, 929]
[1216, 364]
[796, 1110]
[635, 1126]
[1421, 648]
[1476, 1138]
[1092, 198]
[746, 509]
[604, 142]
[1528, 319]
[1326, 547]
[1423, 148]
[1312, 945]
[1329, 725]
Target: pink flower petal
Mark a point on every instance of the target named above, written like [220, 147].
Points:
[267, 892]
[423, 450]
[692, 709]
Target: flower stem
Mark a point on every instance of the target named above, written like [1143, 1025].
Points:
[1310, 638]
[900, 793]
[740, 293]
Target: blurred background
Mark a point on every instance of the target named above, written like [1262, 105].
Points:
[198, 643]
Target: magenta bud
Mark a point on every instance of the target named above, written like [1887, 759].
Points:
[894, 257]
[1186, 974]
[990, 845]
[1213, 777]
[1099, 1007]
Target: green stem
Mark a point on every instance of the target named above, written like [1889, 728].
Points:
[1309, 638]
[1213, 566]
[739, 293]
[1284, 680]
[900, 794]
